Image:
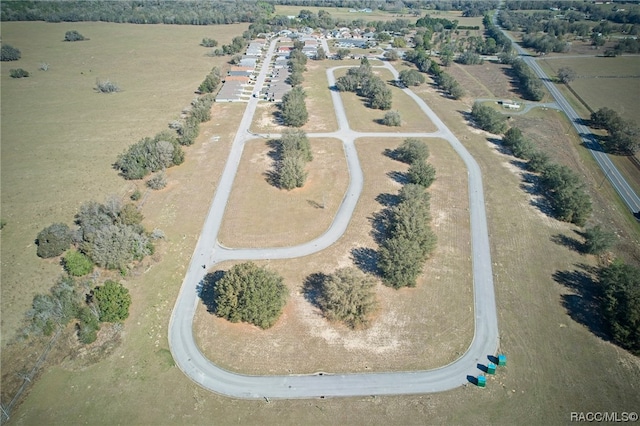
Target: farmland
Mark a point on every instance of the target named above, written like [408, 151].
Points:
[556, 363]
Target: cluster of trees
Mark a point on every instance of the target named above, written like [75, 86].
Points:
[199, 112]
[293, 110]
[9, 53]
[623, 135]
[249, 293]
[237, 45]
[109, 235]
[530, 84]
[502, 42]
[211, 81]
[68, 300]
[545, 43]
[408, 238]
[561, 186]
[620, 303]
[488, 118]
[348, 296]
[73, 35]
[197, 12]
[445, 82]
[150, 155]
[362, 81]
[626, 45]
[293, 152]
[297, 64]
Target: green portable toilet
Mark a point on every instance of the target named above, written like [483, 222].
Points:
[491, 368]
[502, 360]
[482, 381]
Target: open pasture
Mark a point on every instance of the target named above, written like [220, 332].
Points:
[420, 328]
[60, 137]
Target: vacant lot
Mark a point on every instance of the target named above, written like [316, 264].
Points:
[364, 119]
[485, 81]
[260, 215]
[59, 137]
[420, 328]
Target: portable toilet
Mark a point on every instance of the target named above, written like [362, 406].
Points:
[482, 381]
[491, 368]
[502, 360]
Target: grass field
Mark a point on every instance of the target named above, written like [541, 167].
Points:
[426, 327]
[556, 364]
[59, 137]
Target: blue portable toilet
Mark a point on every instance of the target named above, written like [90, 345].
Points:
[502, 360]
[491, 368]
[482, 381]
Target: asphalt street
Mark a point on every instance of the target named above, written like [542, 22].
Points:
[208, 253]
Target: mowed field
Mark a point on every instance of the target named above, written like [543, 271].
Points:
[556, 365]
[60, 137]
[421, 328]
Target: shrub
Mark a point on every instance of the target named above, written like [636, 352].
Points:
[158, 181]
[113, 300]
[598, 240]
[106, 86]
[88, 325]
[54, 309]
[53, 240]
[114, 246]
[208, 42]
[9, 53]
[77, 264]
[73, 36]
[136, 195]
[251, 294]
[348, 296]
[18, 73]
[392, 119]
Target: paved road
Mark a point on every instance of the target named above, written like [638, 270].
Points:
[612, 173]
[208, 252]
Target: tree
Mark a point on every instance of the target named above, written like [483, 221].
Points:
[348, 296]
[446, 57]
[566, 194]
[411, 77]
[250, 294]
[488, 119]
[469, 57]
[53, 240]
[130, 215]
[73, 36]
[54, 309]
[391, 55]
[18, 73]
[422, 174]
[295, 79]
[9, 53]
[115, 246]
[392, 119]
[113, 300]
[88, 324]
[158, 181]
[211, 81]
[208, 42]
[293, 109]
[342, 53]
[295, 142]
[400, 262]
[291, 173]
[412, 150]
[566, 75]
[77, 264]
[320, 54]
[399, 42]
[621, 303]
[598, 240]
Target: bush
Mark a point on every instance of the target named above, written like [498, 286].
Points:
[9, 53]
[136, 195]
[115, 246]
[88, 325]
[77, 264]
[73, 36]
[158, 181]
[53, 240]
[598, 240]
[113, 300]
[208, 42]
[251, 294]
[348, 296]
[106, 86]
[150, 155]
[18, 73]
[412, 150]
[392, 119]
[54, 309]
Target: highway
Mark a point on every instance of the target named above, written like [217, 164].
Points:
[612, 173]
[208, 253]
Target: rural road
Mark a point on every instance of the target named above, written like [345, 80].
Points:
[612, 173]
[208, 253]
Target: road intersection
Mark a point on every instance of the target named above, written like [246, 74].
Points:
[209, 252]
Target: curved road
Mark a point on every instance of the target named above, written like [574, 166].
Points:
[208, 252]
[612, 173]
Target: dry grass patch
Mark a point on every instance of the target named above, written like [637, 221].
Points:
[261, 215]
[489, 80]
[364, 119]
[60, 138]
[420, 328]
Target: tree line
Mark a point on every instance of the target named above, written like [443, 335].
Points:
[293, 151]
[623, 134]
[362, 81]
